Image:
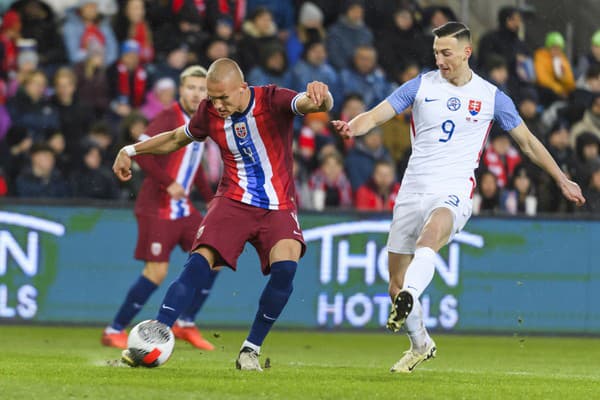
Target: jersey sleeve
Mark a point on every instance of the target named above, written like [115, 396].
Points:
[284, 100]
[505, 112]
[197, 129]
[404, 96]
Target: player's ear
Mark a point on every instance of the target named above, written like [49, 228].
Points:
[468, 51]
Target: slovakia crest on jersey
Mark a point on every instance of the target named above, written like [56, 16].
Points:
[240, 130]
[474, 107]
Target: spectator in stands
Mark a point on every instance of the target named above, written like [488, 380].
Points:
[402, 43]
[101, 135]
[587, 153]
[41, 178]
[309, 30]
[92, 179]
[5, 121]
[56, 141]
[314, 135]
[10, 32]
[591, 58]
[314, 67]
[130, 23]
[226, 12]
[131, 131]
[29, 109]
[587, 87]
[27, 62]
[304, 199]
[552, 67]
[329, 184]
[187, 26]
[348, 33]
[74, 116]
[332, 9]
[128, 80]
[224, 31]
[496, 71]
[506, 43]
[161, 97]
[282, 11]
[379, 192]
[361, 159]
[173, 63]
[487, 197]
[86, 29]
[215, 48]
[529, 109]
[272, 69]
[365, 77]
[558, 145]
[259, 32]
[92, 82]
[519, 196]
[592, 190]
[500, 157]
[39, 23]
[15, 153]
[590, 121]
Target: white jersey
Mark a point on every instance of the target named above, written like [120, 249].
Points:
[449, 127]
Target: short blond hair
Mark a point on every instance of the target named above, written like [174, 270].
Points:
[195, 70]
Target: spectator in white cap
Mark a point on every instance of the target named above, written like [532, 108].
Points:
[309, 29]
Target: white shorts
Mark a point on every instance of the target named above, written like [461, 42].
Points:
[411, 211]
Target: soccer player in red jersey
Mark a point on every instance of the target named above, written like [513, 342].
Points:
[254, 203]
[166, 216]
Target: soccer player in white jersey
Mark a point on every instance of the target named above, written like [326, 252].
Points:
[452, 112]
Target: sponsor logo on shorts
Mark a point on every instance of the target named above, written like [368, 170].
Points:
[200, 232]
[156, 248]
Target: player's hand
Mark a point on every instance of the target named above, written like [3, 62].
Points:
[572, 192]
[343, 129]
[122, 166]
[317, 92]
[176, 191]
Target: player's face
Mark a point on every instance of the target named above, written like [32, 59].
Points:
[227, 96]
[192, 91]
[451, 56]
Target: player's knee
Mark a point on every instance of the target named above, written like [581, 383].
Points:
[285, 249]
[156, 272]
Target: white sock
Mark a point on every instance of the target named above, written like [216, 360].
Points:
[420, 272]
[251, 345]
[416, 328]
[184, 324]
[109, 330]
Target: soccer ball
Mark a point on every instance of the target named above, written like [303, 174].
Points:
[150, 344]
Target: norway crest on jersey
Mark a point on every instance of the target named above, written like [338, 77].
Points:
[240, 130]
[474, 107]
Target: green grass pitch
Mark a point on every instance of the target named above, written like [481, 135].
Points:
[69, 363]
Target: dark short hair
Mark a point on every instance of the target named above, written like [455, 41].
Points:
[505, 13]
[453, 29]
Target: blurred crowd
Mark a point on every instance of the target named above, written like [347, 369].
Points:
[81, 78]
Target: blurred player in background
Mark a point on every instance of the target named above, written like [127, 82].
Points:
[452, 112]
[253, 127]
[166, 216]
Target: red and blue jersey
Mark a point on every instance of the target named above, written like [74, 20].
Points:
[182, 166]
[256, 147]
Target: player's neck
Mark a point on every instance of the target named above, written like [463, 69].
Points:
[246, 96]
[463, 78]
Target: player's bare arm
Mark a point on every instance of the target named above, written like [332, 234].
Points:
[363, 123]
[317, 98]
[166, 142]
[536, 151]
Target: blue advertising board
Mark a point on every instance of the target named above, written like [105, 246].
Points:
[75, 264]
